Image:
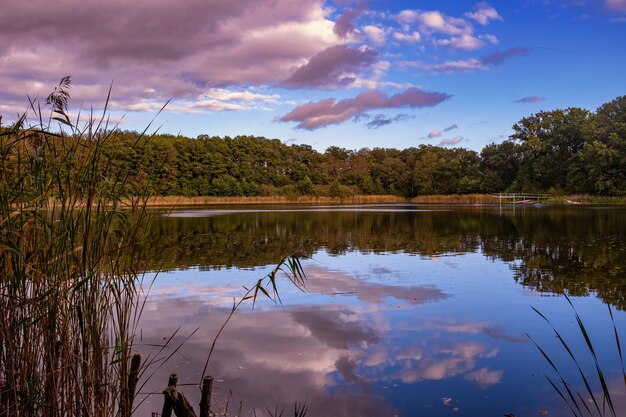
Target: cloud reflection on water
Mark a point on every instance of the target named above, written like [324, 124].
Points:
[336, 356]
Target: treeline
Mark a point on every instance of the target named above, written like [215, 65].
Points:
[569, 151]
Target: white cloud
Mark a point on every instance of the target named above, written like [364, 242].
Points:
[223, 94]
[438, 22]
[464, 42]
[376, 34]
[413, 37]
[483, 13]
[490, 38]
[407, 16]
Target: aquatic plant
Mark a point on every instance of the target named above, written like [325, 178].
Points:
[583, 402]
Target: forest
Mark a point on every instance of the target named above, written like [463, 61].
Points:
[570, 151]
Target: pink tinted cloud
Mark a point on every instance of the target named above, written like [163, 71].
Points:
[156, 49]
[464, 42]
[483, 13]
[344, 25]
[451, 141]
[332, 67]
[434, 134]
[531, 99]
[616, 5]
[471, 64]
[325, 112]
[498, 57]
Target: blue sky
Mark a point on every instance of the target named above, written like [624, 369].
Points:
[345, 73]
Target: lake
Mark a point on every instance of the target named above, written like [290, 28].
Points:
[409, 310]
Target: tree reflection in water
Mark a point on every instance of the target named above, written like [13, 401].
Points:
[577, 250]
[408, 313]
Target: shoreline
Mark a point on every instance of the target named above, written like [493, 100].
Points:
[182, 201]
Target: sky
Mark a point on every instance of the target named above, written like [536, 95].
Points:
[353, 74]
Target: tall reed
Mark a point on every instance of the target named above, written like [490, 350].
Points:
[70, 263]
[72, 252]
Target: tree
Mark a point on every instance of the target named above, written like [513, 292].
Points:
[549, 142]
[499, 165]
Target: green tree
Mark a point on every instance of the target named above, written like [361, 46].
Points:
[499, 165]
[549, 143]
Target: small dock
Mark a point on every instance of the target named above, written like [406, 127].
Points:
[520, 198]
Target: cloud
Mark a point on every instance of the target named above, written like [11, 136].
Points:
[485, 377]
[332, 329]
[329, 111]
[381, 120]
[435, 21]
[498, 57]
[343, 26]
[483, 13]
[297, 360]
[335, 66]
[530, 99]
[375, 78]
[452, 141]
[472, 64]
[616, 5]
[155, 49]
[376, 34]
[413, 37]
[449, 66]
[434, 134]
[345, 343]
[470, 327]
[490, 38]
[407, 16]
[465, 42]
[328, 282]
[454, 32]
[454, 66]
[451, 127]
[227, 99]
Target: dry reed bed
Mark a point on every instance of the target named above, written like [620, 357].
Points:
[171, 201]
[455, 199]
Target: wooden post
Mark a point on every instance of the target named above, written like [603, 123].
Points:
[167, 403]
[133, 376]
[179, 403]
[205, 401]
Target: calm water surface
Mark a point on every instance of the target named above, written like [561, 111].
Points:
[409, 310]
